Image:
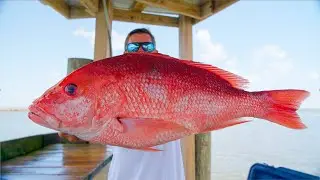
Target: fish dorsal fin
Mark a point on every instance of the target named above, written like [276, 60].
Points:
[234, 80]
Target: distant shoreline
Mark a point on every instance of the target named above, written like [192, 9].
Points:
[14, 109]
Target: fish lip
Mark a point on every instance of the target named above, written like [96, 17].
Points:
[36, 112]
[39, 116]
[36, 115]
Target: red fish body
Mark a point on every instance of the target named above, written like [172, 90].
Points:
[140, 100]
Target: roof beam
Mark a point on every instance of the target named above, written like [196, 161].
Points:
[218, 5]
[59, 5]
[92, 6]
[137, 17]
[211, 7]
[79, 13]
[130, 16]
[174, 6]
[138, 6]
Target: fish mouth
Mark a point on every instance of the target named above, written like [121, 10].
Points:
[42, 118]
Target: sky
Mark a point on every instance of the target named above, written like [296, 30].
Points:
[273, 44]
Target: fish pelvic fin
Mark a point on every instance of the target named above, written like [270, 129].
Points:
[234, 80]
[283, 105]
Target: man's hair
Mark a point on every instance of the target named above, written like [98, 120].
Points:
[138, 31]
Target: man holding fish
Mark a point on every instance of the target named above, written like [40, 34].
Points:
[129, 164]
[146, 101]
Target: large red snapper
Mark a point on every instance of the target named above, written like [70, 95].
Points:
[139, 100]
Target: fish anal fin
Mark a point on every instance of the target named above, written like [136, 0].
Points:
[235, 81]
[228, 123]
[150, 149]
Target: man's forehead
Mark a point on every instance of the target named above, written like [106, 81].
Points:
[140, 37]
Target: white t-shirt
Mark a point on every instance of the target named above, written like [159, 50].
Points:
[129, 164]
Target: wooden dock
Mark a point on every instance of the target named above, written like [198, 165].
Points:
[58, 161]
[196, 149]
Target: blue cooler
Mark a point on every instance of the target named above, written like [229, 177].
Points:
[260, 171]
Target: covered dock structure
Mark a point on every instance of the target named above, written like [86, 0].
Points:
[181, 14]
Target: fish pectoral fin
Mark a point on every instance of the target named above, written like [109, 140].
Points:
[226, 124]
[118, 126]
[113, 123]
[131, 124]
[149, 149]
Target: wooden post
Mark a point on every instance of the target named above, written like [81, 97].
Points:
[75, 63]
[185, 52]
[203, 156]
[196, 149]
[102, 46]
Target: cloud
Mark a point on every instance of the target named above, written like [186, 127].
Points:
[267, 67]
[214, 53]
[118, 41]
[53, 77]
[314, 75]
[209, 51]
[116, 38]
[89, 35]
[271, 51]
[272, 58]
[270, 65]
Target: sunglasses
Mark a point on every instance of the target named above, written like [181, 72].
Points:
[146, 46]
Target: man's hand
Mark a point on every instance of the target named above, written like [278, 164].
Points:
[70, 138]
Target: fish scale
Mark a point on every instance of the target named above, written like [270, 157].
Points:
[140, 100]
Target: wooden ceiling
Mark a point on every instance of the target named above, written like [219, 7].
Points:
[160, 12]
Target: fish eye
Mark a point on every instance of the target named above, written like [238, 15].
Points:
[70, 89]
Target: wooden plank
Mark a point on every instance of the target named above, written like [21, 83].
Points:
[218, 5]
[36, 176]
[58, 161]
[136, 17]
[59, 5]
[23, 146]
[185, 52]
[203, 156]
[76, 63]
[102, 45]
[91, 6]
[75, 171]
[211, 7]
[130, 16]
[182, 8]
[51, 164]
[103, 174]
[79, 13]
[185, 37]
[57, 158]
[18, 147]
[138, 6]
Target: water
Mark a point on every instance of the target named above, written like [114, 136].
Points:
[234, 149]
[237, 148]
[16, 124]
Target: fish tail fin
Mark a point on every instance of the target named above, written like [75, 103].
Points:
[282, 107]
